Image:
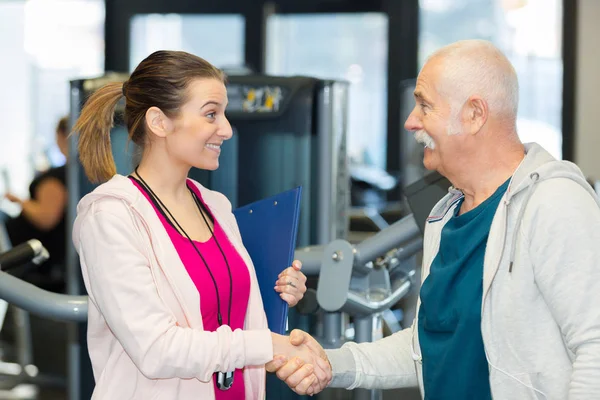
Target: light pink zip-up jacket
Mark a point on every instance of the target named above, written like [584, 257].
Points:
[145, 334]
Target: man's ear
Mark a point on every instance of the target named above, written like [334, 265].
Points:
[158, 123]
[477, 113]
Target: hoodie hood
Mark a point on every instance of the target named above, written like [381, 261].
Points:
[539, 166]
[120, 187]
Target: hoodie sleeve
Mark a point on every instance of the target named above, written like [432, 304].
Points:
[384, 364]
[121, 285]
[565, 250]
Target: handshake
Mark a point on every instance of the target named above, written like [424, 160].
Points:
[301, 362]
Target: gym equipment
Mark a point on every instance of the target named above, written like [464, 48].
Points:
[80, 379]
[370, 186]
[423, 194]
[16, 374]
[362, 281]
[30, 251]
[288, 132]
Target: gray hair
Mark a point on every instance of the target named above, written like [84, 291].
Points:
[477, 67]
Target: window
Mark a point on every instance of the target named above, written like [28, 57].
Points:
[219, 39]
[47, 43]
[351, 47]
[529, 32]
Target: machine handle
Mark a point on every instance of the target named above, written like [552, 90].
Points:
[404, 233]
[359, 305]
[37, 301]
[311, 258]
[375, 246]
[33, 251]
[309, 303]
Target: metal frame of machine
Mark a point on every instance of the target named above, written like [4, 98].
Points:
[23, 371]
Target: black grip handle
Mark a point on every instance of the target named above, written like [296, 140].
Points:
[22, 254]
[309, 304]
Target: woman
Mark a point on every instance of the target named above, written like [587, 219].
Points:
[175, 310]
[43, 214]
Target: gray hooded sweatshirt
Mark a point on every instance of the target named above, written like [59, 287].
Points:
[540, 316]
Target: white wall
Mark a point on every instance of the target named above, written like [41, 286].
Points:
[587, 100]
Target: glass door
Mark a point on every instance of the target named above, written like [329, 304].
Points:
[351, 47]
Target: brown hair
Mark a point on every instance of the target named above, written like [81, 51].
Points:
[63, 126]
[161, 80]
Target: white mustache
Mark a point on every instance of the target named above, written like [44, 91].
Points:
[423, 138]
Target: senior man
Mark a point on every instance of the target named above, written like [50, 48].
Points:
[509, 306]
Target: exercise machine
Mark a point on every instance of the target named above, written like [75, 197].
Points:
[19, 379]
[288, 132]
[362, 281]
[29, 297]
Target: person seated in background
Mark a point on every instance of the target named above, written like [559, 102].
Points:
[43, 215]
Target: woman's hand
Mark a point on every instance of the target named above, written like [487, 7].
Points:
[298, 360]
[291, 284]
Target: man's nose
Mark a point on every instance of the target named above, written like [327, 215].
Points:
[413, 122]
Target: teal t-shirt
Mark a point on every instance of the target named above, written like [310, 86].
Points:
[454, 362]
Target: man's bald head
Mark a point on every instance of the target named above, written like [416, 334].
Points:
[476, 67]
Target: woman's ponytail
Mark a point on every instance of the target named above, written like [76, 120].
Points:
[94, 126]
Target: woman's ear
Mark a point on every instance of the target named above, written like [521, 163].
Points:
[158, 123]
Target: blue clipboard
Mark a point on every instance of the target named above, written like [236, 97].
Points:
[269, 228]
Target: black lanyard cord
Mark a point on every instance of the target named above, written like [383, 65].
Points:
[200, 207]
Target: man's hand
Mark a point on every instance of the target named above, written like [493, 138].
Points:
[301, 378]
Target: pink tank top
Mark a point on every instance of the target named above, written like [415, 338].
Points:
[201, 278]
